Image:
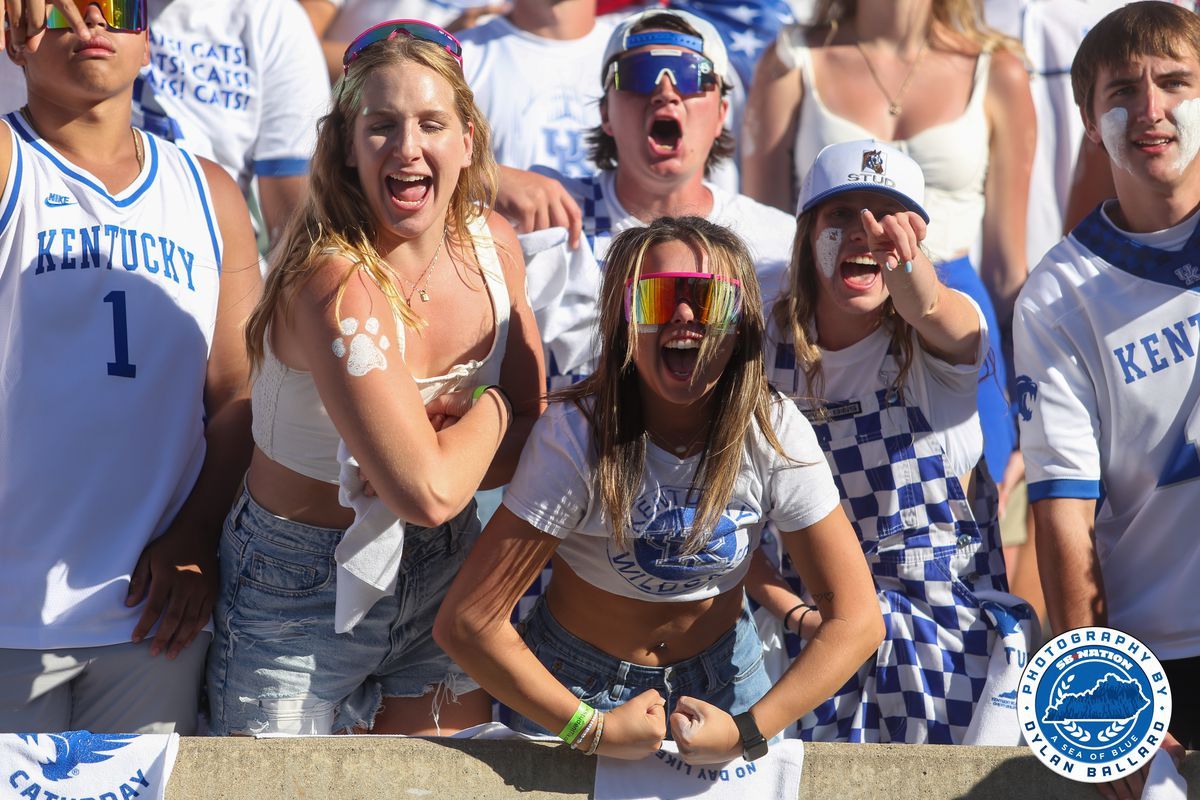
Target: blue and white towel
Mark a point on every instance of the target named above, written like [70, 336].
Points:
[104, 766]
[666, 776]
[995, 719]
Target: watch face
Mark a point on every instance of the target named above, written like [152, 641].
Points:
[754, 745]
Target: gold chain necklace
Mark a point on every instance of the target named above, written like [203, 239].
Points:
[137, 140]
[424, 275]
[894, 106]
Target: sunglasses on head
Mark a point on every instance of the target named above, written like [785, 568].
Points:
[412, 28]
[716, 300]
[125, 16]
[641, 73]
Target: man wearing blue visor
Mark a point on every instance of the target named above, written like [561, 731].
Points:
[666, 76]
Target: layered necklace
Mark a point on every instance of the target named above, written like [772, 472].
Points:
[416, 285]
[894, 103]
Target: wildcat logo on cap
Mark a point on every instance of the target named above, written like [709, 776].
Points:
[873, 160]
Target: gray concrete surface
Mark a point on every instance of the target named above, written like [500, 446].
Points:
[355, 767]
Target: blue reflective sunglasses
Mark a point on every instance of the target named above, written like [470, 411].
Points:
[640, 73]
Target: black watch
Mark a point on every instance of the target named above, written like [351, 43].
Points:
[753, 744]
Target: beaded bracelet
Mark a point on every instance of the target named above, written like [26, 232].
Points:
[591, 751]
[576, 723]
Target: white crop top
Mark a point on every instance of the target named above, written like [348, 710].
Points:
[555, 490]
[953, 155]
[290, 423]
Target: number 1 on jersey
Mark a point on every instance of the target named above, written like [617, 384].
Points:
[120, 368]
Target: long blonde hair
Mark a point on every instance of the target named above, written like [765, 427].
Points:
[964, 17]
[796, 310]
[333, 217]
[611, 399]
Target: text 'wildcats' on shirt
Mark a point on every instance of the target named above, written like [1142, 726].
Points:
[97, 247]
[1153, 349]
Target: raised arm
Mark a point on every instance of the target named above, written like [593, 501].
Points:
[1013, 130]
[424, 476]
[769, 132]
[946, 321]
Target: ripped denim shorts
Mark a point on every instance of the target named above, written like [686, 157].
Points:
[276, 665]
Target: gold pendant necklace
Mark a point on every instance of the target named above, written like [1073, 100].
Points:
[894, 107]
[416, 289]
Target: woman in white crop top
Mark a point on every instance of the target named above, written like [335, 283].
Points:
[648, 484]
[394, 270]
[928, 77]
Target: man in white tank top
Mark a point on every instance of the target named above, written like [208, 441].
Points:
[127, 268]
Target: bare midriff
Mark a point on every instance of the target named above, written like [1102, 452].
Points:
[296, 497]
[637, 631]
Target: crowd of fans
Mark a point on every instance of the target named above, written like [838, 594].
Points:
[737, 307]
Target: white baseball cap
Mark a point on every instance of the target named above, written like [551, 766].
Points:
[709, 45]
[866, 165]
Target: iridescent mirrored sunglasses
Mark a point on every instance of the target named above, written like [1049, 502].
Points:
[413, 28]
[716, 300]
[126, 16]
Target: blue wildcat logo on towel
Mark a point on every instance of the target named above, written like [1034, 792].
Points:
[84, 765]
[1094, 704]
[77, 747]
[656, 558]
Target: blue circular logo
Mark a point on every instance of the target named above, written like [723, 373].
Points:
[660, 549]
[1094, 704]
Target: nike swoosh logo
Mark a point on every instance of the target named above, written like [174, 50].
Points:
[58, 203]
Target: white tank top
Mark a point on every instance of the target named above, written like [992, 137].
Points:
[953, 155]
[291, 425]
[107, 310]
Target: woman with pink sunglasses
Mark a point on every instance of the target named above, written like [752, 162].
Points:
[648, 484]
[394, 342]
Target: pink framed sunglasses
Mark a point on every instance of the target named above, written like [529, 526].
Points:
[413, 28]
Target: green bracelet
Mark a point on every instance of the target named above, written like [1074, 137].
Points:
[576, 723]
[479, 390]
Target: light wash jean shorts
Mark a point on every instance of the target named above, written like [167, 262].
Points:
[729, 673]
[276, 665]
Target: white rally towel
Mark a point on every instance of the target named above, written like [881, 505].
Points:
[368, 557]
[103, 766]
[1164, 781]
[563, 286]
[995, 719]
[666, 776]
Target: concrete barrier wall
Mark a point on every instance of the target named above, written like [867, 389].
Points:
[351, 767]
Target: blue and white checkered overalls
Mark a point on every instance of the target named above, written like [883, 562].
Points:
[930, 549]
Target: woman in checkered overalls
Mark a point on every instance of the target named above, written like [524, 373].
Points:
[884, 359]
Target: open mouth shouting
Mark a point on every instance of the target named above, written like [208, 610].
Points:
[408, 192]
[680, 354]
[859, 273]
[665, 136]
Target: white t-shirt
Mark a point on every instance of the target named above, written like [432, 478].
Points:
[242, 83]
[945, 393]
[1106, 335]
[355, 16]
[541, 96]
[555, 490]
[766, 231]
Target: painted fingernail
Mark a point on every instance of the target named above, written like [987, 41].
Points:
[890, 264]
[908, 266]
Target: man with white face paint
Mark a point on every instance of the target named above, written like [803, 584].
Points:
[1107, 332]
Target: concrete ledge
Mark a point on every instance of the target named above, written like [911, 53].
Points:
[393, 767]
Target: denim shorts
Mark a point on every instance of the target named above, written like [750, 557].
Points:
[276, 665]
[729, 673]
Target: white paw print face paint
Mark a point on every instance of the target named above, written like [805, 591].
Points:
[365, 351]
[826, 249]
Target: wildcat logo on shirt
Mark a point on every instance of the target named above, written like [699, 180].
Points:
[655, 560]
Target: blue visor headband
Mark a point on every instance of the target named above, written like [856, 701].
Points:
[664, 37]
[640, 73]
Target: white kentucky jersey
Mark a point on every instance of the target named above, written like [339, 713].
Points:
[242, 83]
[1106, 335]
[541, 96]
[107, 310]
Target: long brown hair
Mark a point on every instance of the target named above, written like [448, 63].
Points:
[611, 400]
[333, 218]
[796, 311]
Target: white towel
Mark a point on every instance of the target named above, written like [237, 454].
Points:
[368, 557]
[563, 286]
[995, 719]
[104, 766]
[666, 776]
[1164, 781]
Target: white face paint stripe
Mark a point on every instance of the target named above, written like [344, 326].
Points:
[364, 353]
[1187, 127]
[1114, 131]
[826, 249]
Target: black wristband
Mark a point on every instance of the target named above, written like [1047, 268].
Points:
[791, 611]
[800, 622]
